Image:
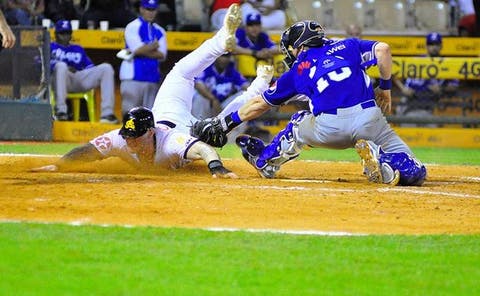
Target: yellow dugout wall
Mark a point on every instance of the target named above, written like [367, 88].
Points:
[187, 41]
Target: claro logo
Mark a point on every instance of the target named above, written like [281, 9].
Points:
[109, 40]
[185, 42]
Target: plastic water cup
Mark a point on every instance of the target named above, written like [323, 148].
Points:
[46, 23]
[75, 24]
[104, 25]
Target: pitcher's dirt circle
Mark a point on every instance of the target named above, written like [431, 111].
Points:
[320, 196]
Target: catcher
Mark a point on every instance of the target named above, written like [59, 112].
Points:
[345, 110]
[144, 146]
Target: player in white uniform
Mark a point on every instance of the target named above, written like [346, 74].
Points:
[144, 146]
[173, 103]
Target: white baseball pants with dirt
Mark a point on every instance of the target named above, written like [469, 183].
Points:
[173, 102]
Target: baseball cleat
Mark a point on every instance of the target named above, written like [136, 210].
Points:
[232, 21]
[251, 148]
[375, 172]
[262, 81]
[265, 72]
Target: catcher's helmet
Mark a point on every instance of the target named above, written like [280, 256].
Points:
[308, 33]
[136, 122]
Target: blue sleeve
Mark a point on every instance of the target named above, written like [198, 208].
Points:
[86, 62]
[367, 52]
[267, 42]
[241, 38]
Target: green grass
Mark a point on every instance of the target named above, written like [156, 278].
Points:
[426, 155]
[59, 259]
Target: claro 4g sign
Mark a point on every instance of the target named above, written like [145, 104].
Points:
[437, 68]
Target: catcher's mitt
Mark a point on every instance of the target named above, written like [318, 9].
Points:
[210, 131]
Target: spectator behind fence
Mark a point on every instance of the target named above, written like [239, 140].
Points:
[6, 34]
[467, 26]
[117, 12]
[140, 71]
[217, 86]
[73, 71]
[420, 96]
[251, 40]
[218, 10]
[353, 31]
[56, 10]
[273, 15]
[24, 12]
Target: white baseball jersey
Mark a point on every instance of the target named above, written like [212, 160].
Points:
[171, 147]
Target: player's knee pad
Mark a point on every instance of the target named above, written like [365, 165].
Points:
[284, 146]
[412, 172]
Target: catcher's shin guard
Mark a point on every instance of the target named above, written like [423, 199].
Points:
[412, 172]
[284, 147]
[251, 148]
[390, 168]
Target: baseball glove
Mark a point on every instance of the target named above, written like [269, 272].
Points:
[210, 131]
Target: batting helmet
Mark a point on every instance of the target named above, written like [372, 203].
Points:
[136, 122]
[308, 33]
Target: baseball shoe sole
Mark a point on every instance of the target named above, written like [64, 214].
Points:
[251, 148]
[262, 80]
[232, 21]
[265, 72]
[371, 166]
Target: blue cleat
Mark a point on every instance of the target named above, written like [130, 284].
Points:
[251, 149]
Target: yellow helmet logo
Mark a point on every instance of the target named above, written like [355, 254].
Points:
[130, 124]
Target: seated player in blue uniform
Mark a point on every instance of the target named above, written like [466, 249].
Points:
[217, 86]
[345, 110]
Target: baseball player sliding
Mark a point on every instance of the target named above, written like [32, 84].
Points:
[141, 143]
[343, 108]
[144, 146]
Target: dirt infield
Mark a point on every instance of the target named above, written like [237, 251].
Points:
[320, 196]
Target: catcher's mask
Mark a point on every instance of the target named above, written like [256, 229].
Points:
[136, 122]
[308, 33]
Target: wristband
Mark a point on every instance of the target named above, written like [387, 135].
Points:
[236, 117]
[230, 121]
[385, 84]
[216, 167]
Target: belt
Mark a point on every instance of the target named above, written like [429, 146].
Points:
[364, 105]
[167, 123]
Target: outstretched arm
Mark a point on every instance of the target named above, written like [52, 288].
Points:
[213, 131]
[85, 153]
[200, 150]
[384, 62]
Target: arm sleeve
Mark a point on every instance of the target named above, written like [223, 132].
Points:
[132, 37]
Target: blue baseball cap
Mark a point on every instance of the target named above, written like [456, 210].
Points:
[63, 26]
[434, 38]
[151, 4]
[253, 19]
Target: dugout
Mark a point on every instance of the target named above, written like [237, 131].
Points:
[102, 46]
[25, 110]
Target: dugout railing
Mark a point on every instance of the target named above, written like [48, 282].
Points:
[25, 110]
